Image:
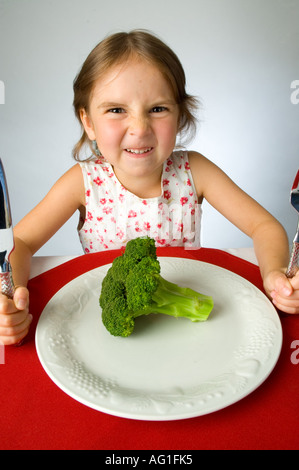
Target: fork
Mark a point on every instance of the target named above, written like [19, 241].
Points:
[293, 264]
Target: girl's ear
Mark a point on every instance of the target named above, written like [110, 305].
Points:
[87, 124]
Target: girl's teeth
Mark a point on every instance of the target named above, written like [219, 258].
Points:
[138, 152]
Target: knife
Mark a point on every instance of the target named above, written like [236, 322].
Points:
[6, 238]
[294, 261]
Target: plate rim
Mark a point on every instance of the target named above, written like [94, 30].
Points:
[157, 417]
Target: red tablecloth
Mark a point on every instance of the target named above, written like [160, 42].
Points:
[36, 414]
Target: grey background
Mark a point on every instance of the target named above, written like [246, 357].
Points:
[240, 59]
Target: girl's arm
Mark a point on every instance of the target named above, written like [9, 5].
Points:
[30, 234]
[269, 237]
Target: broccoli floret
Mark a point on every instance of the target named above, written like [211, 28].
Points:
[133, 286]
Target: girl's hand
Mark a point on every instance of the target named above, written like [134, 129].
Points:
[283, 291]
[15, 318]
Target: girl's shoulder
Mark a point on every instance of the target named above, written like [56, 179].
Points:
[70, 184]
[196, 158]
[198, 163]
[202, 166]
[71, 176]
[202, 170]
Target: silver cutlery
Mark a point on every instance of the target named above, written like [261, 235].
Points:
[293, 264]
[6, 238]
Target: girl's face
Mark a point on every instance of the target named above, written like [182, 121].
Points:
[133, 117]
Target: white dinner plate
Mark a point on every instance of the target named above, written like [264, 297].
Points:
[169, 368]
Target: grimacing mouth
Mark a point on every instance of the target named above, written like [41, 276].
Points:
[139, 151]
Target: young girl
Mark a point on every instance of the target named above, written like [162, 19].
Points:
[131, 101]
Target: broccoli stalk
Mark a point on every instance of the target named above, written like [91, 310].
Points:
[171, 299]
[133, 287]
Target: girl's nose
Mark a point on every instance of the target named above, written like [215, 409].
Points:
[139, 126]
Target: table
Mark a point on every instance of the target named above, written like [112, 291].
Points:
[41, 264]
[36, 414]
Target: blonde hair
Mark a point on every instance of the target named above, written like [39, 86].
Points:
[118, 48]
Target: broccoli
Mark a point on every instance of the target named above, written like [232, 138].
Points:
[133, 287]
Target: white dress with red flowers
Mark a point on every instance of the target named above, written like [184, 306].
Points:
[114, 215]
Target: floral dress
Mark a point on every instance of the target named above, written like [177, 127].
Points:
[114, 215]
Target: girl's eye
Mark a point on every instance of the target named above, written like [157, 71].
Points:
[116, 110]
[159, 109]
